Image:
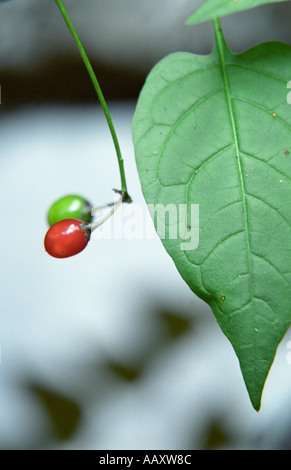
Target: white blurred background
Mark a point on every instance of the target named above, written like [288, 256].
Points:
[108, 349]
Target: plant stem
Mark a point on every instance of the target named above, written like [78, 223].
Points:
[98, 90]
[93, 225]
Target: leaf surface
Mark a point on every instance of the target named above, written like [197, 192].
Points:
[216, 8]
[216, 131]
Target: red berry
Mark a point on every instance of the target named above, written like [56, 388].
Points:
[66, 238]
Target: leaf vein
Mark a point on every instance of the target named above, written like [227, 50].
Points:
[272, 265]
[227, 238]
[207, 160]
[264, 108]
[261, 72]
[221, 46]
[180, 119]
[271, 207]
[264, 162]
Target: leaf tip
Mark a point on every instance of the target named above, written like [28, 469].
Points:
[256, 402]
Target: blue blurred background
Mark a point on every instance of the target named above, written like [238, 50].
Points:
[109, 349]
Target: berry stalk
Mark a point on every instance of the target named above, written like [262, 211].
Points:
[93, 225]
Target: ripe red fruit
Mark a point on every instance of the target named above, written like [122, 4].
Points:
[66, 238]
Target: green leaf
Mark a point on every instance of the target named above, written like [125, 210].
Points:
[216, 131]
[214, 8]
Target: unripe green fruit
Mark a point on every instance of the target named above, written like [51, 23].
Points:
[69, 207]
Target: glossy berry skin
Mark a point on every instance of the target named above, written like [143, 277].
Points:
[69, 207]
[66, 238]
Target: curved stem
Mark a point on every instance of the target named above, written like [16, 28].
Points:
[101, 206]
[92, 226]
[99, 94]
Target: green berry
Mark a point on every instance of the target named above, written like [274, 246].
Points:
[69, 207]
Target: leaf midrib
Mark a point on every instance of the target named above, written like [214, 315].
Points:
[221, 49]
